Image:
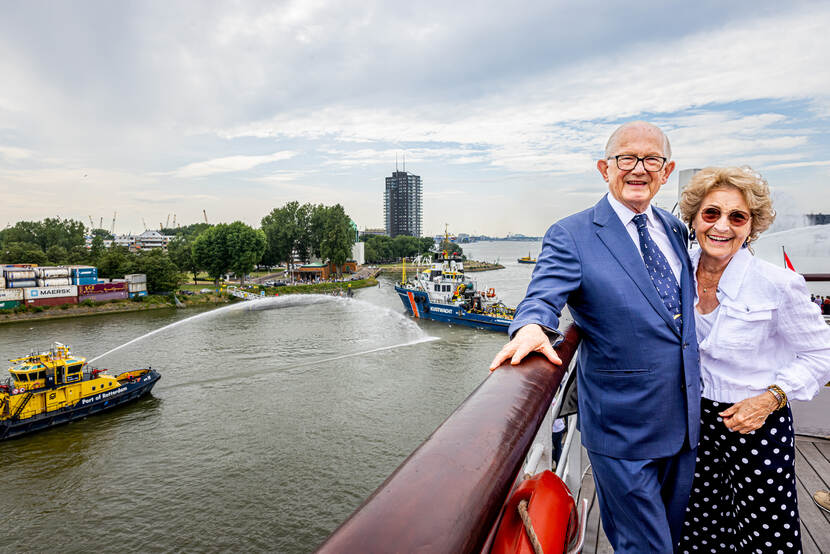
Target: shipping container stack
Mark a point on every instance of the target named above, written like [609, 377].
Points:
[102, 292]
[15, 279]
[136, 284]
[84, 275]
[55, 286]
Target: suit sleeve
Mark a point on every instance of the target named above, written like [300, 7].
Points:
[804, 331]
[557, 274]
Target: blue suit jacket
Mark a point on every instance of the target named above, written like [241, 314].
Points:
[638, 378]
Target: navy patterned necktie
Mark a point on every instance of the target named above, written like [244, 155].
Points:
[659, 269]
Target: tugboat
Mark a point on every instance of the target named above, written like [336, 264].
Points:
[444, 293]
[526, 259]
[53, 387]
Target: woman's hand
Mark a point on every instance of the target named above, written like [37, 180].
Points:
[750, 413]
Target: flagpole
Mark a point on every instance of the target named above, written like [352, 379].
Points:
[784, 255]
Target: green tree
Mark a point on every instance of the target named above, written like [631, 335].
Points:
[379, 249]
[103, 233]
[55, 231]
[286, 231]
[22, 253]
[229, 247]
[162, 274]
[210, 252]
[115, 262]
[79, 255]
[338, 237]
[188, 231]
[318, 219]
[246, 246]
[181, 252]
[57, 255]
[97, 247]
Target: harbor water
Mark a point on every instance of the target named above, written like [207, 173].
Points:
[272, 421]
[268, 428]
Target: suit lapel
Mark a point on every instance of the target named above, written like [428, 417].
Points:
[612, 233]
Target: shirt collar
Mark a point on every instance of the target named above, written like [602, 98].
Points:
[626, 214]
[733, 275]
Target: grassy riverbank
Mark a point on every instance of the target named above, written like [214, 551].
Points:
[155, 302]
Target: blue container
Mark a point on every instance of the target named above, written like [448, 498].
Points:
[84, 280]
[140, 293]
[85, 272]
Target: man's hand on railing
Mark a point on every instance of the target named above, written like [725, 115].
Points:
[530, 338]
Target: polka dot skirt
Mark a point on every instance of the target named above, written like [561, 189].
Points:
[743, 496]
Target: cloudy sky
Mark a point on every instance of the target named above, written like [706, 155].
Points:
[154, 108]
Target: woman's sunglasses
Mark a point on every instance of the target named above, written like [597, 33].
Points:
[736, 218]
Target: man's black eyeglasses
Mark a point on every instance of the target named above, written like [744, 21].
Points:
[626, 162]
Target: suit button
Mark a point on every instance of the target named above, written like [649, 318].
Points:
[685, 345]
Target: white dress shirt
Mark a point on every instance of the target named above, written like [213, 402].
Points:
[766, 332]
[655, 229]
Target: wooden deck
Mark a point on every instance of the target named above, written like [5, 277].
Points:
[812, 468]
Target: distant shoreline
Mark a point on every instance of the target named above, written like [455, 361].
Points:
[167, 302]
[470, 266]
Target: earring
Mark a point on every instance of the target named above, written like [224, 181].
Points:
[692, 235]
[745, 244]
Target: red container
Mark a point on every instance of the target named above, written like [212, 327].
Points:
[101, 288]
[54, 301]
[104, 296]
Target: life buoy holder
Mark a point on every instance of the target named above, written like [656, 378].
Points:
[491, 292]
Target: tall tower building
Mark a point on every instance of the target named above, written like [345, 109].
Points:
[402, 204]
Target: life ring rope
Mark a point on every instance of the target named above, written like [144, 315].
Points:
[528, 524]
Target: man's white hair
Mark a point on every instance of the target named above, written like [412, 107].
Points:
[612, 140]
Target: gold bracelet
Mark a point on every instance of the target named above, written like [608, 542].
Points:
[779, 395]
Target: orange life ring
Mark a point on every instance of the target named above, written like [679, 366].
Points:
[491, 293]
[552, 511]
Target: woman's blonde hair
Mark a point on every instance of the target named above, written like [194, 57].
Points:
[745, 180]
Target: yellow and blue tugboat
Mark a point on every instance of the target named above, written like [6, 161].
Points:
[54, 387]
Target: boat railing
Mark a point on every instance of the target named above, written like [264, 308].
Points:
[448, 495]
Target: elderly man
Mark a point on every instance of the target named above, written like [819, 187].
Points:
[622, 268]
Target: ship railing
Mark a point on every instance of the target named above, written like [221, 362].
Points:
[449, 494]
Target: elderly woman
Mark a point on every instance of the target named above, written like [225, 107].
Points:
[762, 343]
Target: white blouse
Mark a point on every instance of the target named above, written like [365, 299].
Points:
[766, 331]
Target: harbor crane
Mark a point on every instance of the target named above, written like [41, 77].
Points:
[91, 224]
[205, 213]
[112, 229]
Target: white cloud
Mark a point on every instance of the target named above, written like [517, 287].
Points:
[480, 101]
[229, 164]
[813, 163]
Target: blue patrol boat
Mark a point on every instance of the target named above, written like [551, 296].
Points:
[444, 293]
